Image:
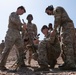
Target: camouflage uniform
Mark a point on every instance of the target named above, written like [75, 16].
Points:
[67, 34]
[13, 36]
[28, 36]
[48, 51]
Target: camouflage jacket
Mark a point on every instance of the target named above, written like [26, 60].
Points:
[31, 31]
[61, 17]
[14, 22]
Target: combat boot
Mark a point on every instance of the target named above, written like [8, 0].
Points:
[23, 65]
[3, 68]
[67, 66]
[42, 68]
[52, 63]
[18, 68]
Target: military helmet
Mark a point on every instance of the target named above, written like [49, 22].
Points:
[30, 15]
[50, 7]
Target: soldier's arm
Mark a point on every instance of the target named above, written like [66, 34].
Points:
[57, 22]
[58, 16]
[15, 19]
[35, 29]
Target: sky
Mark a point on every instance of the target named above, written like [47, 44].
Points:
[37, 9]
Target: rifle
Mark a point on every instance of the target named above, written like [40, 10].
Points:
[37, 36]
[23, 21]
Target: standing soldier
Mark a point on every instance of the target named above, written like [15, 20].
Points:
[28, 36]
[2, 45]
[50, 27]
[13, 36]
[67, 34]
[48, 50]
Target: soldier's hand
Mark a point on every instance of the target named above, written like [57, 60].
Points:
[36, 41]
[53, 33]
[24, 26]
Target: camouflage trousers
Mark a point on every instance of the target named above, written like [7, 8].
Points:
[13, 37]
[67, 39]
[47, 52]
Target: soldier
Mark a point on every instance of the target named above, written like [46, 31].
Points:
[13, 36]
[2, 45]
[50, 27]
[67, 34]
[48, 50]
[28, 36]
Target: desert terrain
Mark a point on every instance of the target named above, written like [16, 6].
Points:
[30, 69]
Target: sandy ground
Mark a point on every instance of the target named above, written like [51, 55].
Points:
[34, 64]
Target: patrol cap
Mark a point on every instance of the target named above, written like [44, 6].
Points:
[50, 7]
[50, 24]
[21, 7]
[44, 27]
[30, 15]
